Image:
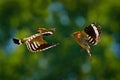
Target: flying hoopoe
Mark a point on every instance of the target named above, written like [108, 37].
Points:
[36, 43]
[90, 35]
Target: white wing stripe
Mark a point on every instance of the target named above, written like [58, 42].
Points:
[28, 45]
[95, 29]
[35, 44]
[49, 47]
[33, 47]
[47, 33]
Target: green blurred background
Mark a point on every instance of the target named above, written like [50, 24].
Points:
[21, 18]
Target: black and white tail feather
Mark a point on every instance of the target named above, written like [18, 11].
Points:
[17, 41]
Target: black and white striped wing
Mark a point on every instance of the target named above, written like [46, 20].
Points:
[36, 44]
[45, 32]
[36, 47]
[93, 33]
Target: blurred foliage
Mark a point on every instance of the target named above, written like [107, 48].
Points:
[21, 18]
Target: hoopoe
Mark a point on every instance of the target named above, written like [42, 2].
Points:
[36, 43]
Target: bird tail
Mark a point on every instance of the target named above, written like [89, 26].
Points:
[17, 41]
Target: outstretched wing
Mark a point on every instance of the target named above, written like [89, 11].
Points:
[46, 32]
[93, 33]
[36, 43]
